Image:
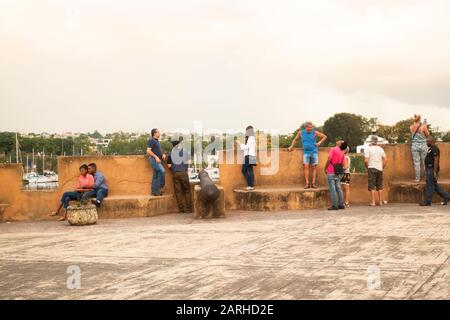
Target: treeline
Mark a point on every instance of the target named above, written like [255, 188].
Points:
[347, 126]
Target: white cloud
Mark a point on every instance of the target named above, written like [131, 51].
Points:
[140, 64]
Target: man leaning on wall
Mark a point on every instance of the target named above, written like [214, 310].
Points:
[155, 158]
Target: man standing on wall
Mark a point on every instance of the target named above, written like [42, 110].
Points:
[375, 161]
[155, 158]
[310, 151]
[432, 175]
[178, 161]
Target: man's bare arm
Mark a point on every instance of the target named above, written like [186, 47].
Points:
[385, 161]
[297, 136]
[322, 138]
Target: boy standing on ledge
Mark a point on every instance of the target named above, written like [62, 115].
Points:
[310, 151]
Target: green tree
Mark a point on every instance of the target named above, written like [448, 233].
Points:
[350, 127]
[387, 132]
[7, 142]
[402, 131]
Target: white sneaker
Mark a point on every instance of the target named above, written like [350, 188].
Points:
[250, 188]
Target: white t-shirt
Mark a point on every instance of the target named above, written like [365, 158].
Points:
[250, 147]
[375, 155]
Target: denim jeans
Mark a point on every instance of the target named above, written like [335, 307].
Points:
[68, 196]
[99, 194]
[247, 171]
[419, 152]
[432, 186]
[334, 184]
[158, 179]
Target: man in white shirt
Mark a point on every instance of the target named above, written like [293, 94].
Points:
[375, 160]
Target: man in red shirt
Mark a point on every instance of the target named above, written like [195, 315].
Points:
[334, 168]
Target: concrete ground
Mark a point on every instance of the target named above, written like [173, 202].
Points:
[312, 254]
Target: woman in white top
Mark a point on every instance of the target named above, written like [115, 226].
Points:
[249, 149]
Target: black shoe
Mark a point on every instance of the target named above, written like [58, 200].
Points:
[97, 204]
[425, 204]
[333, 208]
[445, 202]
[341, 207]
[156, 194]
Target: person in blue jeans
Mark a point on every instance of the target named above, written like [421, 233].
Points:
[249, 148]
[432, 169]
[155, 158]
[336, 158]
[310, 151]
[100, 187]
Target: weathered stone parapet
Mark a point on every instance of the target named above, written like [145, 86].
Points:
[136, 206]
[281, 199]
[409, 192]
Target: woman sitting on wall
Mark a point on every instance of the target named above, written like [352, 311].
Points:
[85, 183]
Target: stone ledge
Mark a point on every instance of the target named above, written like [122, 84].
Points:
[136, 206]
[412, 192]
[278, 199]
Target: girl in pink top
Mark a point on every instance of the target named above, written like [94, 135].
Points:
[85, 183]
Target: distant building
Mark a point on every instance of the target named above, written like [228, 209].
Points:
[367, 142]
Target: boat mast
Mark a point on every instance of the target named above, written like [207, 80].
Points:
[17, 149]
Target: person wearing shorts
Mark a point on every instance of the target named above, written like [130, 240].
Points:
[345, 180]
[310, 151]
[375, 161]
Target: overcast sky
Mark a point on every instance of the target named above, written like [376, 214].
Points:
[133, 65]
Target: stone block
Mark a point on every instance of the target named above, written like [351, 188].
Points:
[80, 215]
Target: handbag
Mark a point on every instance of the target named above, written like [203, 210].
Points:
[338, 168]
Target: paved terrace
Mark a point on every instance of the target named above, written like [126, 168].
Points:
[312, 254]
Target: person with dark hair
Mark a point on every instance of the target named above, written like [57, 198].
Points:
[100, 187]
[155, 158]
[310, 151]
[178, 161]
[85, 183]
[334, 169]
[375, 161]
[432, 169]
[249, 148]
